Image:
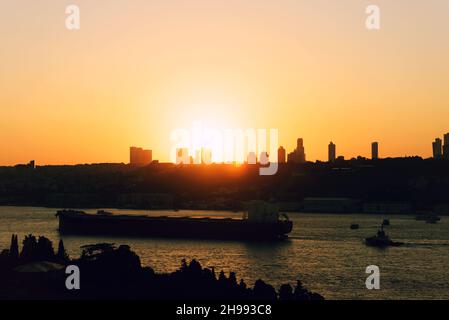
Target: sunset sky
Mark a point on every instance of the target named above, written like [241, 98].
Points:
[138, 69]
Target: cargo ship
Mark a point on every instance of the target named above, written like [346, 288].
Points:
[261, 222]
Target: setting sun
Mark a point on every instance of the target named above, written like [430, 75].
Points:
[131, 79]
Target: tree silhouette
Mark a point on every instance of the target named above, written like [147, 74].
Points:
[45, 249]
[242, 284]
[184, 266]
[300, 292]
[232, 279]
[222, 276]
[29, 248]
[195, 268]
[14, 248]
[62, 254]
[104, 261]
[286, 292]
[263, 291]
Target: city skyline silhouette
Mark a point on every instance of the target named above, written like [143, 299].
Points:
[86, 95]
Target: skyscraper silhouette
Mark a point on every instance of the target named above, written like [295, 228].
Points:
[281, 155]
[182, 156]
[139, 156]
[375, 150]
[206, 155]
[437, 146]
[252, 159]
[446, 146]
[300, 150]
[264, 157]
[298, 155]
[332, 150]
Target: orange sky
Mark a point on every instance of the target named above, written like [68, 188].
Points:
[136, 70]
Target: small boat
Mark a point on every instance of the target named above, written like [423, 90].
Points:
[386, 222]
[428, 217]
[381, 240]
[354, 226]
[433, 219]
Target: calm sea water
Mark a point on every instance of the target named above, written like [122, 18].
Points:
[323, 252]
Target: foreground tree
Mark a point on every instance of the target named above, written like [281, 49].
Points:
[62, 255]
[14, 248]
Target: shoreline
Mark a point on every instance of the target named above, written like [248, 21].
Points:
[411, 213]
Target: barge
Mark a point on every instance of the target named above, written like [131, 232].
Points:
[261, 222]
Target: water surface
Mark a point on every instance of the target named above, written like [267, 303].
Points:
[322, 251]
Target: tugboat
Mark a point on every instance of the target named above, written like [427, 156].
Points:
[381, 240]
[354, 226]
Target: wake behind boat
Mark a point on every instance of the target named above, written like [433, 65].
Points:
[261, 222]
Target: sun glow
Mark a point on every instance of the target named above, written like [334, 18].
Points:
[202, 144]
[94, 92]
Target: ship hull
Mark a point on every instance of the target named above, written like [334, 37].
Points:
[171, 227]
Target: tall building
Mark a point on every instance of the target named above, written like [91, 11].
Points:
[300, 150]
[182, 156]
[437, 148]
[139, 156]
[264, 157]
[197, 159]
[446, 146]
[206, 156]
[281, 155]
[134, 155]
[375, 150]
[298, 155]
[332, 151]
[291, 157]
[252, 159]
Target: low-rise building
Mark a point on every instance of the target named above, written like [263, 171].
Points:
[387, 207]
[330, 205]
